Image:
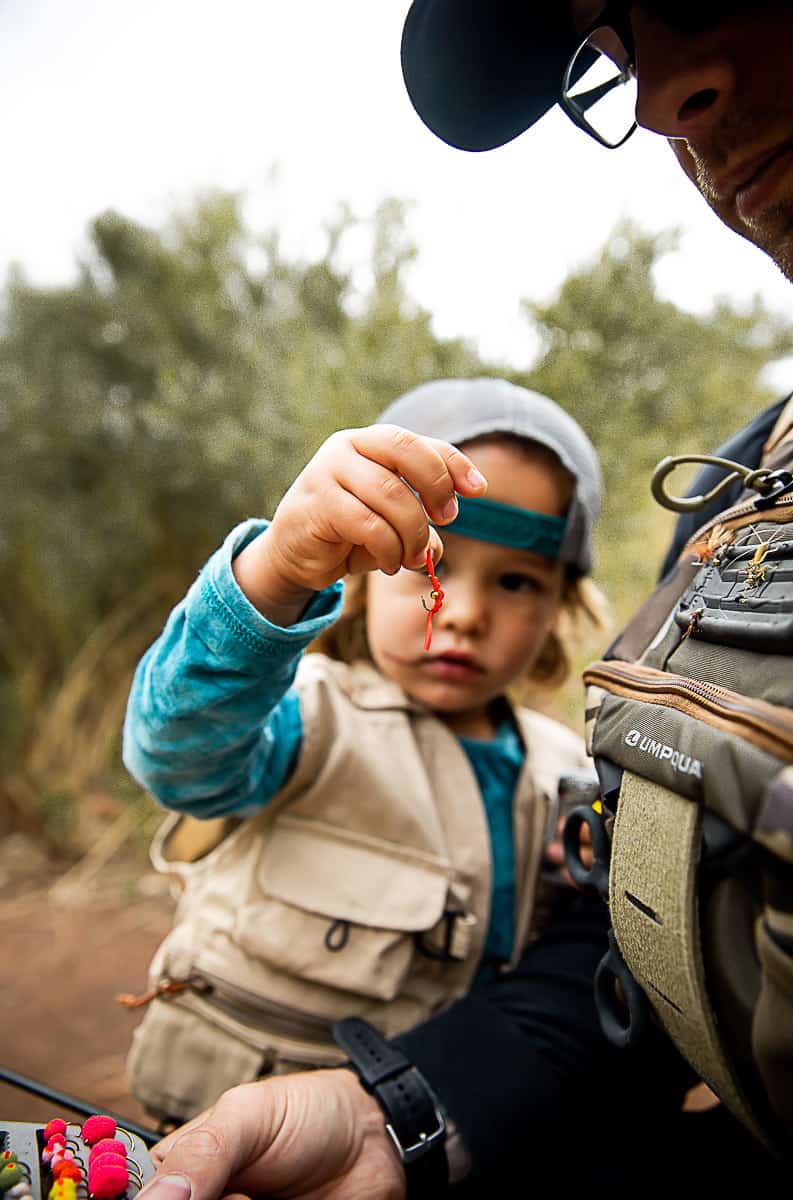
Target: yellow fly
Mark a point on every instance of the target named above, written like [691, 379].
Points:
[754, 572]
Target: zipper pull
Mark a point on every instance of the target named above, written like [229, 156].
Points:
[165, 987]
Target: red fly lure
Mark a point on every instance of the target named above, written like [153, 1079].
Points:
[436, 595]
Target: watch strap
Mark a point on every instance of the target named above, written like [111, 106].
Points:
[413, 1118]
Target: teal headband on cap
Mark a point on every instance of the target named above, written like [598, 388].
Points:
[507, 525]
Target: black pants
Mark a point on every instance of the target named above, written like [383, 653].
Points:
[695, 1154]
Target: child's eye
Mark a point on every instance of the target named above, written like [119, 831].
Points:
[513, 581]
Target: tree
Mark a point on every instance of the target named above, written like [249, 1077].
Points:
[179, 384]
[176, 388]
[646, 379]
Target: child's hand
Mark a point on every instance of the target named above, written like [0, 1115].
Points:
[350, 510]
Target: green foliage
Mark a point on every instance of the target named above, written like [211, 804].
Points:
[189, 372]
[176, 388]
[57, 815]
[646, 379]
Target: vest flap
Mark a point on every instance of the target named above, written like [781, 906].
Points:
[327, 871]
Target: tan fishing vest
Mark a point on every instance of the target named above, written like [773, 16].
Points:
[362, 889]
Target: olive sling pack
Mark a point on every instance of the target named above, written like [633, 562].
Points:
[689, 721]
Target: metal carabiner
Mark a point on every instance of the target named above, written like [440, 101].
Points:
[762, 480]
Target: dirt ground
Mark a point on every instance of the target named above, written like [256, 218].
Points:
[68, 951]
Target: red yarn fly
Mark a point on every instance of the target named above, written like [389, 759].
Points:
[436, 595]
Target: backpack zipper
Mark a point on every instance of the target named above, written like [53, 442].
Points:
[745, 509]
[764, 725]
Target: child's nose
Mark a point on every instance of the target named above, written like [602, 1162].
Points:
[464, 609]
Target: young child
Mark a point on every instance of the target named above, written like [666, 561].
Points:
[375, 812]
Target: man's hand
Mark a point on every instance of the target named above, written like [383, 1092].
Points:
[311, 1136]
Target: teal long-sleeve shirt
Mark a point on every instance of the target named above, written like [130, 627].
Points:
[213, 724]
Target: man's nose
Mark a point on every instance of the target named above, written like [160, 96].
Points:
[686, 80]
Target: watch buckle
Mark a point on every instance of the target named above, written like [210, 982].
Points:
[409, 1154]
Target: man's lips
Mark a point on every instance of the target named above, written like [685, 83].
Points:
[752, 184]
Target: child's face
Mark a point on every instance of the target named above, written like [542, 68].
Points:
[500, 604]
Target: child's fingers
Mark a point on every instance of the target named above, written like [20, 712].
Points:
[435, 546]
[353, 521]
[386, 496]
[468, 479]
[360, 561]
[435, 469]
[365, 501]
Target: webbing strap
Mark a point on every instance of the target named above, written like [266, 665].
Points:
[652, 896]
[782, 431]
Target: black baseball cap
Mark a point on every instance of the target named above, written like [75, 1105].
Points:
[480, 72]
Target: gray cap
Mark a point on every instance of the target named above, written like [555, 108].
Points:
[460, 410]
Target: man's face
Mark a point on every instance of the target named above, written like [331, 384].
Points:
[724, 98]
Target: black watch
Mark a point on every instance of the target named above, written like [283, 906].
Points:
[414, 1121]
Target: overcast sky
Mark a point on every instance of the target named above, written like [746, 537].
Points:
[137, 104]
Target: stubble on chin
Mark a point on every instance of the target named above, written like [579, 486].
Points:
[779, 244]
[772, 230]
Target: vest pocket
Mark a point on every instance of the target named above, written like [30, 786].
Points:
[340, 909]
[179, 1063]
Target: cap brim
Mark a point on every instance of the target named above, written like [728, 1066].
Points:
[480, 72]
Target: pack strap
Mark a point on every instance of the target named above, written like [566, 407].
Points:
[782, 431]
[652, 897]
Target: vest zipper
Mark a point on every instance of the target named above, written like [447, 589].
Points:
[762, 723]
[252, 1010]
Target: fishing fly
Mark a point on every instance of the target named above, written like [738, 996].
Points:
[436, 595]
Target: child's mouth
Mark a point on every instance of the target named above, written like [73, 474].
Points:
[454, 665]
